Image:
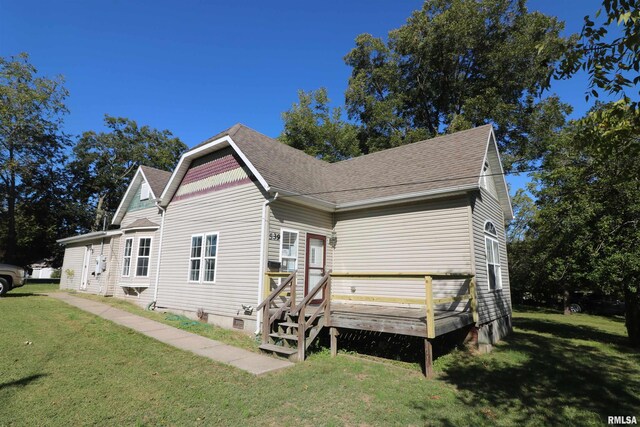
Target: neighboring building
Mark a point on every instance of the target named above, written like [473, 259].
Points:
[241, 204]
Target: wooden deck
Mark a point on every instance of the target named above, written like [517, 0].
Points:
[395, 320]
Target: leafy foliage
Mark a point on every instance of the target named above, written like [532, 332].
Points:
[587, 226]
[457, 64]
[609, 51]
[33, 209]
[312, 126]
[105, 162]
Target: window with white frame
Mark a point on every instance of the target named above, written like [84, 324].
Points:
[142, 260]
[289, 250]
[203, 257]
[195, 258]
[209, 256]
[144, 191]
[492, 250]
[126, 261]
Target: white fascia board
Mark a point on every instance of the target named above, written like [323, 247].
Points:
[126, 199]
[492, 139]
[304, 200]
[403, 198]
[185, 161]
[88, 236]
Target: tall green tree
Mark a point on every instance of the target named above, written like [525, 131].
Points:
[609, 51]
[587, 227]
[317, 129]
[457, 64]
[104, 162]
[32, 146]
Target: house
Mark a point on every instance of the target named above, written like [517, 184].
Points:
[400, 231]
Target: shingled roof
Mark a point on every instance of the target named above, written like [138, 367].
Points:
[443, 164]
[156, 178]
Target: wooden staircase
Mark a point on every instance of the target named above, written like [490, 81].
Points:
[288, 329]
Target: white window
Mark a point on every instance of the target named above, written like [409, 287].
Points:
[210, 252]
[485, 172]
[126, 262]
[494, 272]
[195, 258]
[142, 260]
[203, 257]
[144, 191]
[289, 250]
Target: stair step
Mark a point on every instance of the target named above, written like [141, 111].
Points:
[283, 336]
[278, 349]
[288, 324]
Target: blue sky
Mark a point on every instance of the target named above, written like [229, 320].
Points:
[198, 67]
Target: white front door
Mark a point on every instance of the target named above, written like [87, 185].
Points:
[315, 267]
[85, 267]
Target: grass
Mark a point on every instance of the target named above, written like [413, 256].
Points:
[63, 366]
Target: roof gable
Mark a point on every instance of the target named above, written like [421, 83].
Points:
[155, 178]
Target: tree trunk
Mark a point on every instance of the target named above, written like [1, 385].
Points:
[99, 214]
[632, 315]
[565, 302]
[12, 238]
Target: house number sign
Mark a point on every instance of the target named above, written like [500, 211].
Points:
[274, 236]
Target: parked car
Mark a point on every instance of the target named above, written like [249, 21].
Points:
[595, 303]
[11, 276]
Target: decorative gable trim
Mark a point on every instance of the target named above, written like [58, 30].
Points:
[129, 194]
[185, 162]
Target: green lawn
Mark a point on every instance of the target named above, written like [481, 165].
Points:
[66, 367]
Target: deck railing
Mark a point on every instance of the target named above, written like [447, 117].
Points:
[429, 302]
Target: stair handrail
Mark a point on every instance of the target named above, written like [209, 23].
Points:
[265, 305]
[303, 324]
[276, 291]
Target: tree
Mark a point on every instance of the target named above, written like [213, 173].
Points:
[105, 162]
[457, 64]
[612, 63]
[32, 148]
[588, 221]
[312, 126]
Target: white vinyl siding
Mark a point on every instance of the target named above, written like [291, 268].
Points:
[202, 259]
[430, 236]
[287, 215]
[126, 259]
[143, 257]
[492, 304]
[289, 250]
[236, 212]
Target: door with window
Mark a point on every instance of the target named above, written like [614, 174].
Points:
[315, 263]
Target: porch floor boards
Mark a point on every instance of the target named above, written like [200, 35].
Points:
[395, 320]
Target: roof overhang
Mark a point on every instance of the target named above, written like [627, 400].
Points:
[210, 147]
[88, 237]
[405, 198]
[142, 228]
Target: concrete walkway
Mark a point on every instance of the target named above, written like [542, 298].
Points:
[253, 363]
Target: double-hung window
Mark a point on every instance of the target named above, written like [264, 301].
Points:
[494, 271]
[289, 250]
[142, 260]
[126, 261]
[202, 258]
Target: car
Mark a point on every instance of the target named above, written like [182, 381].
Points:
[11, 276]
